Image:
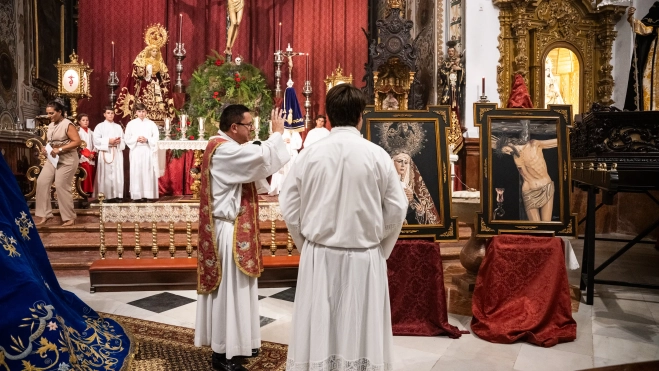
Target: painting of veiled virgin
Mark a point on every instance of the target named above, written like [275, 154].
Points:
[419, 156]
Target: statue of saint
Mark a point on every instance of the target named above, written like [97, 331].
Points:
[390, 102]
[149, 81]
[235, 9]
[452, 78]
[641, 94]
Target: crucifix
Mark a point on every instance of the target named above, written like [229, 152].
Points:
[279, 60]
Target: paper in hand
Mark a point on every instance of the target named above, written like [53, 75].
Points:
[53, 160]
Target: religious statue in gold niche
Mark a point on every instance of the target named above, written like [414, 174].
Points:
[149, 81]
[642, 88]
[235, 9]
[452, 78]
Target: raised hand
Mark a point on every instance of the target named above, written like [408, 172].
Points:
[277, 121]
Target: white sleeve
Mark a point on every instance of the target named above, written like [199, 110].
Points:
[250, 162]
[290, 202]
[101, 141]
[130, 137]
[394, 208]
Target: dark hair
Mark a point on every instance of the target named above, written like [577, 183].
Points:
[504, 141]
[320, 117]
[108, 108]
[57, 106]
[344, 105]
[81, 115]
[232, 114]
[140, 107]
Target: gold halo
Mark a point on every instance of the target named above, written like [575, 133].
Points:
[155, 35]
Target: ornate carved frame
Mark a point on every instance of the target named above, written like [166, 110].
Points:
[530, 28]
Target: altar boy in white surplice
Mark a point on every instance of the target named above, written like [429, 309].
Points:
[109, 143]
[142, 138]
[344, 207]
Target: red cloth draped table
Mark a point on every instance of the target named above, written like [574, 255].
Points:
[416, 290]
[177, 178]
[522, 292]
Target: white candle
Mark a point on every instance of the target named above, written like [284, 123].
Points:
[201, 125]
[184, 120]
[279, 46]
[307, 79]
[180, 26]
[113, 70]
[167, 120]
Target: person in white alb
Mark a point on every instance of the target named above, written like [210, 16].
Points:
[293, 142]
[344, 207]
[142, 138]
[317, 133]
[233, 171]
[109, 143]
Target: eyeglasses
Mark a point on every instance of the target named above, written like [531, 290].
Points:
[250, 126]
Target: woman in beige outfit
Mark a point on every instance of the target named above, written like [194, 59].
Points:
[64, 139]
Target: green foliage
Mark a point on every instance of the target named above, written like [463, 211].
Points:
[216, 84]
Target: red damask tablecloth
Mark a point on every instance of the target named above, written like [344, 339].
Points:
[522, 292]
[416, 290]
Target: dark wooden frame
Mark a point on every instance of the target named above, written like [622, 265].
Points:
[484, 114]
[447, 230]
[41, 61]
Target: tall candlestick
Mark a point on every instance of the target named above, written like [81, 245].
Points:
[180, 26]
[483, 85]
[307, 75]
[113, 70]
[279, 46]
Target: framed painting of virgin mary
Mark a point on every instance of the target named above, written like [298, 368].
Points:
[415, 140]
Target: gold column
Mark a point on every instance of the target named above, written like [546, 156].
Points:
[172, 248]
[101, 225]
[289, 244]
[154, 240]
[273, 244]
[138, 248]
[188, 235]
[120, 242]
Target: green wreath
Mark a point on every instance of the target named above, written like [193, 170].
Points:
[216, 84]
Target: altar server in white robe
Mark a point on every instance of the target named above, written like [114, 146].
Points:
[317, 133]
[109, 143]
[228, 311]
[142, 138]
[293, 142]
[344, 207]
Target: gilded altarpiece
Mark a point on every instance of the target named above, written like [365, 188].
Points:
[529, 30]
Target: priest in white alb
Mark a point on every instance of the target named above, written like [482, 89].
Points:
[317, 133]
[344, 207]
[109, 144]
[233, 172]
[142, 138]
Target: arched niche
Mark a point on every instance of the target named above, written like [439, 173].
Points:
[562, 79]
[530, 29]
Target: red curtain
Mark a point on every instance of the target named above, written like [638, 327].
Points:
[329, 30]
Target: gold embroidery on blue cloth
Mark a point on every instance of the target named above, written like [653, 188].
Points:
[8, 243]
[24, 224]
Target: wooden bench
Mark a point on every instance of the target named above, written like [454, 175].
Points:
[176, 274]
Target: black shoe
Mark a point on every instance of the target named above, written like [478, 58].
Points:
[221, 363]
[255, 352]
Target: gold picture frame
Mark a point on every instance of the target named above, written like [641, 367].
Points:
[48, 40]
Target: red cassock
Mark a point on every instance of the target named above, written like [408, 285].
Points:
[522, 292]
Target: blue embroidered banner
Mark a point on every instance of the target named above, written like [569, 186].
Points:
[43, 326]
[293, 115]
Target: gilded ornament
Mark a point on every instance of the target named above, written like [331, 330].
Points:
[449, 232]
[484, 227]
[567, 230]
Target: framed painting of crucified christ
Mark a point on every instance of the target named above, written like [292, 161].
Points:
[525, 186]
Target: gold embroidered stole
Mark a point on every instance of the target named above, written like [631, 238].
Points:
[246, 242]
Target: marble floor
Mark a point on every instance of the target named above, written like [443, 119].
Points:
[621, 327]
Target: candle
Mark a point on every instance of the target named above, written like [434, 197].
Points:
[167, 120]
[483, 85]
[113, 70]
[288, 48]
[183, 120]
[180, 26]
[279, 45]
[307, 79]
[201, 126]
